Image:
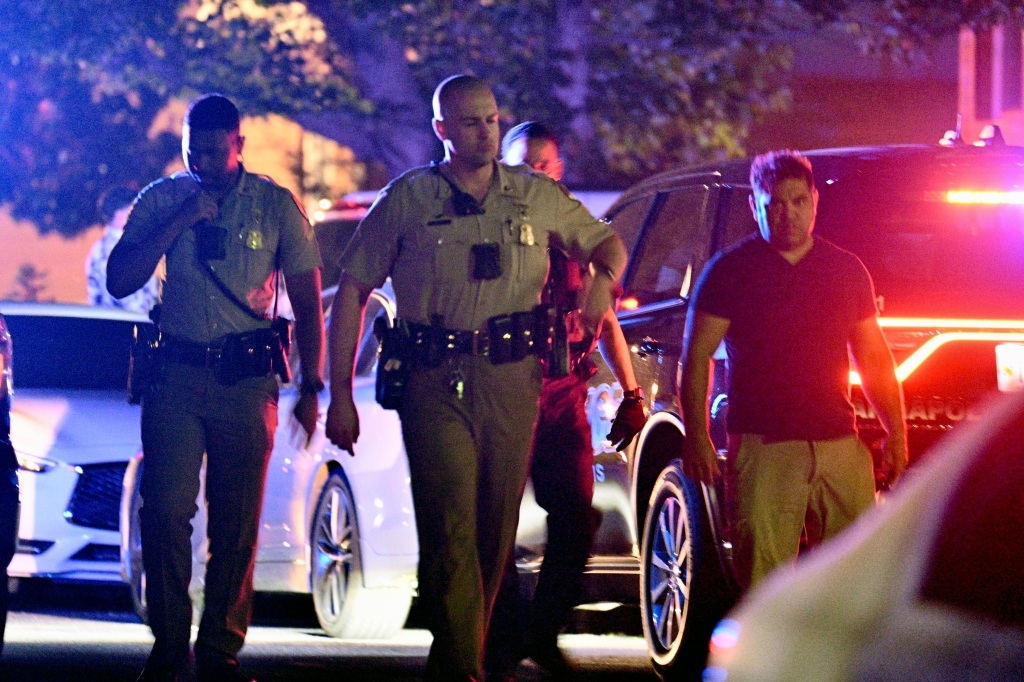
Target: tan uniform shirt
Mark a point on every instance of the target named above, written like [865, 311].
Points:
[413, 234]
[262, 219]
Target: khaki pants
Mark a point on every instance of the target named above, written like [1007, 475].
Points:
[779, 489]
[562, 470]
[468, 462]
[184, 415]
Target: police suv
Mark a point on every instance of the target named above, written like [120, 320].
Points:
[941, 230]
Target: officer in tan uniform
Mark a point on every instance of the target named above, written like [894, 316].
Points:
[465, 243]
[225, 232]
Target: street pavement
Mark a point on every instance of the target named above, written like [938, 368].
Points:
[73, 634]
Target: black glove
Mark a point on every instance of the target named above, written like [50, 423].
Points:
[629, 419]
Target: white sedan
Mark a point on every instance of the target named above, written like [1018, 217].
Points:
[74, 433]
[337, 526]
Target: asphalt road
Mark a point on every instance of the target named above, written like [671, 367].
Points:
[58, 633]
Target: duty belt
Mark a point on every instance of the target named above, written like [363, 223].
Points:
[187, 352]
[505, 338]
[424, 339]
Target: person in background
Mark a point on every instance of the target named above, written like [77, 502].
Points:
[562, 462]
[792, 309]
[114, 206]
[9, 501]
[226, 234]
[465, 243]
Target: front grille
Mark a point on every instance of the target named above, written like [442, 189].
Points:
[96, 501]
[33, 547]
[94, 552]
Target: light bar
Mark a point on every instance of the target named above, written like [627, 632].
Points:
[933, 322]
[991, 197]
[917, 358]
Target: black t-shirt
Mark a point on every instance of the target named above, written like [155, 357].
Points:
[787, 340]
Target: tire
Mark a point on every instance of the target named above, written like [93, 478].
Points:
[683, 593]
[345, 607]
[131, 563]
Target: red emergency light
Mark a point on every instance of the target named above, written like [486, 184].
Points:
[961, 330]
[990, 197]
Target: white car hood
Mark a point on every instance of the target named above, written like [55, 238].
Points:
[75, 426]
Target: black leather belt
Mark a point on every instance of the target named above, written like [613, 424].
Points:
[192, 353]
[505, 338]
[425, 338]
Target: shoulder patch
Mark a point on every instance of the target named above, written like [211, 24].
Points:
[268, 184]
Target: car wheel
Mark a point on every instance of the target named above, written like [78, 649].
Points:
[682, 589]
[131, 563]
[345, 607]
[131, 566]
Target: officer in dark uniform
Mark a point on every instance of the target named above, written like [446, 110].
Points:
[465, 243]
[226, 234]
[9, 502]
[562, 464]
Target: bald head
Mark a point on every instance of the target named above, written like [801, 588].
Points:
[456, 87]
[466, 122]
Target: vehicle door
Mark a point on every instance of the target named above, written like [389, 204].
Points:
[674, 241]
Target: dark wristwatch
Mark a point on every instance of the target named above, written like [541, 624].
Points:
[312, 386]
[637, 393]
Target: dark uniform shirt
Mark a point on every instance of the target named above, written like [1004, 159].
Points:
[789, 326]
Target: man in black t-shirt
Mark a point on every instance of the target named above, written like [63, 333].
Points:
[791, 309]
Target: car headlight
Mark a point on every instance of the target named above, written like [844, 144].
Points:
[37, 465]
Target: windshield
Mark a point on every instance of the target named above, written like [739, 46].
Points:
[932, 253]
[70, 352]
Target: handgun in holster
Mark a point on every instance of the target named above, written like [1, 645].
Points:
[552, 338]
[144, 357]
[393, 362]
[559, 301]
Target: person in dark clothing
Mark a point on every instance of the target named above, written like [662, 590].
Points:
[562, 455]
[791, 308]
[9, 502]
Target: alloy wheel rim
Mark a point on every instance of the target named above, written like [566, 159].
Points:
[334, 553]
[669, 579]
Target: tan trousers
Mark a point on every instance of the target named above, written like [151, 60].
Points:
[779, 489]
[184, 415]
[468, 462]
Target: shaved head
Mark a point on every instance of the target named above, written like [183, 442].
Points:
[456, 86]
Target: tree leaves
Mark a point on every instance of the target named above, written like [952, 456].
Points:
[82, 80]
[635, 87]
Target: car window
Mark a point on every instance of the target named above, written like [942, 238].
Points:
[69, 352]
[735, 218]
[627, 220]
[673, 248]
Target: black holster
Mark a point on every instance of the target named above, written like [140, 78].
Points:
[553, 338]
[257, 353]
[282, 326]
[393, 362]
[143, 362]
